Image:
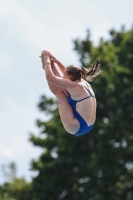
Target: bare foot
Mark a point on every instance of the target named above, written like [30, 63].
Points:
[43, 63]
[43, 53]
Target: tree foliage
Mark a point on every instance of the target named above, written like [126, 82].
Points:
[98, 165]
[14, 188]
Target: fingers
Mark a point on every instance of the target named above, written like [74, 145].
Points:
[47, 53]
[50, 54]
[44, 51]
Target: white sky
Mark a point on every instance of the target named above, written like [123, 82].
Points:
[26, 28]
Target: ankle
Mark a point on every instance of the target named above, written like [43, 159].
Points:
[43, 66]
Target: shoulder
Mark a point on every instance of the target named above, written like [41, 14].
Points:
[86, 83]
[75, 88]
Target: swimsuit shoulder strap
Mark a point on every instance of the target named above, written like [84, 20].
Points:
[88, 90]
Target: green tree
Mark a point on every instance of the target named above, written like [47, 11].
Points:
[98, 165]
[14, 187]
[9, 171]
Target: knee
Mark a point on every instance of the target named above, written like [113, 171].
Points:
[55, 90]
[60, 93]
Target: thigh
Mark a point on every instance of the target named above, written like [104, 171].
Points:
[69, 122]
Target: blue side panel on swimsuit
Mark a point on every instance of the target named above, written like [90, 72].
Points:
[84, 128]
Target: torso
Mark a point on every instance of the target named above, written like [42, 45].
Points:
[87, 107]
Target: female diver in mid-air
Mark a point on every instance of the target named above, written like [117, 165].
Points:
[76, 99]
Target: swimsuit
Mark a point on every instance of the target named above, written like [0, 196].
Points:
[84, 128]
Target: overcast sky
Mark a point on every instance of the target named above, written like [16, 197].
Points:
[26, 28]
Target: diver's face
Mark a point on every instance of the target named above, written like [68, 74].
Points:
[66, 76]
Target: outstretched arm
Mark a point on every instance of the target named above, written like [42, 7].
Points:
[60, 65]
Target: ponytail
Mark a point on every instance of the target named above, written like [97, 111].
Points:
[89, 74]
[78, 73]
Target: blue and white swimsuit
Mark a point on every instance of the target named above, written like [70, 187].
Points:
[84, 128]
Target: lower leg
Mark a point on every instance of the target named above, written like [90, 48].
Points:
[62, 68]
[56, 73]
[60, 65]
[54, 89]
